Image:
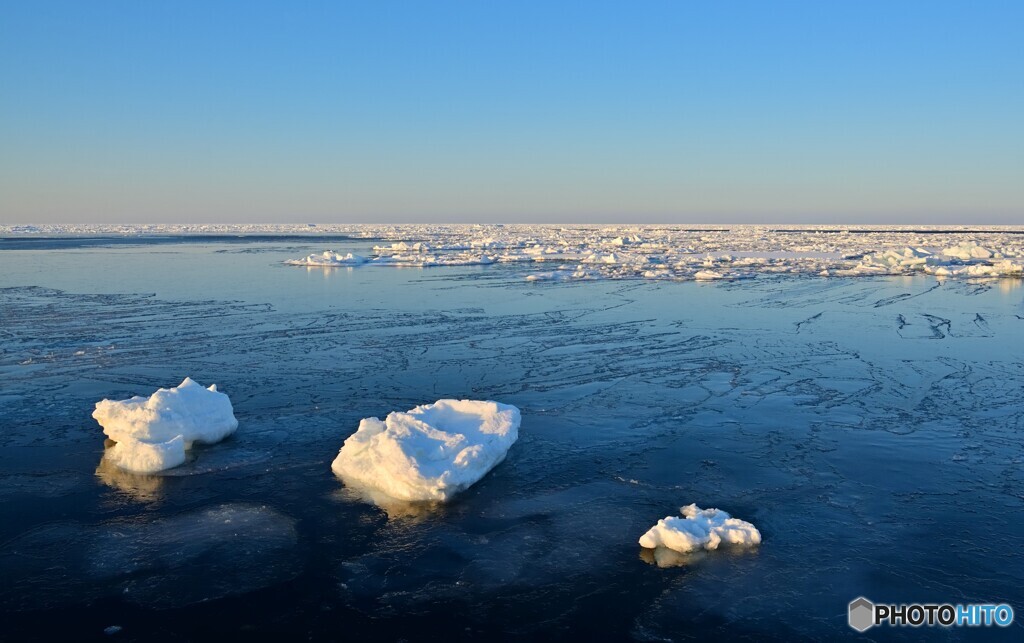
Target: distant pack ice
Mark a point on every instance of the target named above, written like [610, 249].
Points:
[701, 253]
[700, 529]
[662, 252]
[429, 453]
[152, 433]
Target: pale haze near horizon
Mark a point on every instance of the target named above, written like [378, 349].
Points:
[797, 112]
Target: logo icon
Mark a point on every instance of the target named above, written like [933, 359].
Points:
[862, 614]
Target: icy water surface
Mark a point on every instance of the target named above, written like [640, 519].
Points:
[870, 427]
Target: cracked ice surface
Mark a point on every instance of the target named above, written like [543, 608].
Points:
[866, 426]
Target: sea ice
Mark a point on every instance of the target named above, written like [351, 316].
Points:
[657, 252]
[152, 434]
[146, 457]
[707, 275]
[700, 529]
[429, 453]
[328, 258]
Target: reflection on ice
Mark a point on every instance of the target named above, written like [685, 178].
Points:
[328, 271]
[528, 543]
[149, 487]
[395, 509]
[138, 486]
[665, 557]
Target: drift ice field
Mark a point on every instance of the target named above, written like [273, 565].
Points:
[615, 431]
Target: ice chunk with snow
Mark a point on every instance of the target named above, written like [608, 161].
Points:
[545, 276]
[431, 452]
[700, 529]
[328, 258]
[147, 457]
[189, 410]
[152, 434]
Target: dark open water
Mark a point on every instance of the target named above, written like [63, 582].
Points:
[871, 428]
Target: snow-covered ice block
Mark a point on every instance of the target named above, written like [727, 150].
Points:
[189, 410]
[153, 433]
[700, 529]
[431, 452]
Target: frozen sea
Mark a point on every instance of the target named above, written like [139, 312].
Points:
[870, 427]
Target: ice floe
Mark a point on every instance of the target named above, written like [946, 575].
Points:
[328, 258]
[146, 457]
[699, 529]
[429, 453]
[707, 275]
[565, 273]
[152, 433]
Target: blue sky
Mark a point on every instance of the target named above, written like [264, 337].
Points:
[759, 111]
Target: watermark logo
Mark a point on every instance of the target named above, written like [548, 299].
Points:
[863, 614]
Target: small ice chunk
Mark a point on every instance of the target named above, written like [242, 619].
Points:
[431, 452]
[544, 276]
[700, 529]
[153, 433]
[707, 275]
[328, 258]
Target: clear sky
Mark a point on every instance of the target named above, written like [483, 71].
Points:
[718, 111]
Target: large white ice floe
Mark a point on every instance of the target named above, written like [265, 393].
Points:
[700, 529]
[152, 433]
[429, 453]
